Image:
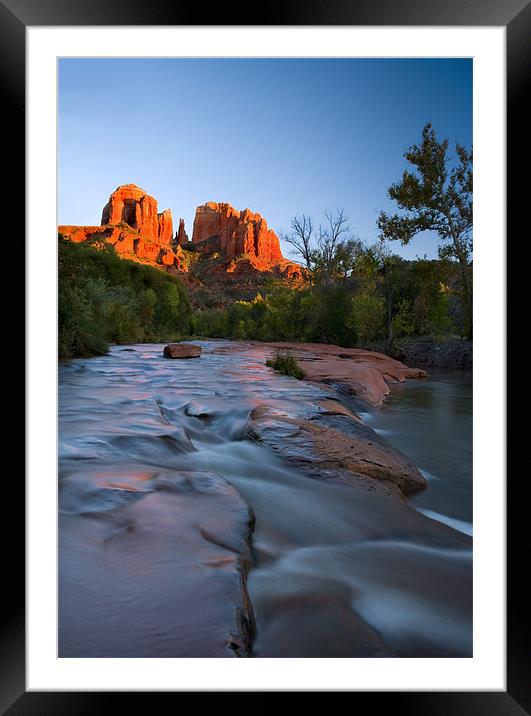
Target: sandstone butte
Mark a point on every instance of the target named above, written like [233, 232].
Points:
[132, 224]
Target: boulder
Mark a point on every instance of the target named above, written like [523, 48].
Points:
[166, 257]
[182, 350]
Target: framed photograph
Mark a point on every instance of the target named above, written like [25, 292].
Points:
[260, 455]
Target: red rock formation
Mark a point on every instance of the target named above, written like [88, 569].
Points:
[127, 243]
[165, 227]
[131, 205]
[220, 227]
[78, 234]
[366, 373]
[132, 224]
[181, 237]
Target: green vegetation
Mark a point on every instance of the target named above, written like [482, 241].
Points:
[383, 299]
[286, 364]
[104, 299]
[436, 197]
[360, 295]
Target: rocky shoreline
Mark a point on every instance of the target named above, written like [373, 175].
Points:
[455, 353]
[365, 374]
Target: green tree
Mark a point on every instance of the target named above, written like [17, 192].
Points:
[436, 197]
[147, 303]
[439, 320]
[403, 322]
[367, 316]
[80, 332]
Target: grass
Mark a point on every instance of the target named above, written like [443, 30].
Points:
[286, 364]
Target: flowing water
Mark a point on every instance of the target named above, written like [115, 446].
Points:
[337, 571]
[430, 421]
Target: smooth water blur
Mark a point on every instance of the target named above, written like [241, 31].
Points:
[338, 571]
[430, 420]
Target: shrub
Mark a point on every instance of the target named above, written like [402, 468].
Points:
[286, 364]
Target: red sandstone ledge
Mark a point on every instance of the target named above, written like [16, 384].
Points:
[366, 373]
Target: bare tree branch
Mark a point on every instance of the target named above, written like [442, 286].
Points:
[301, 239]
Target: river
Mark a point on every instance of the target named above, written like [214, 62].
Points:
[430, 421]
[336, 571]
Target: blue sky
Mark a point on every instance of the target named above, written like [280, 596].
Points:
[280, 137]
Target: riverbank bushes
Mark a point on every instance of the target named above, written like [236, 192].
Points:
[105, 299]
[367, 298]
[383, 299]
[440, 353]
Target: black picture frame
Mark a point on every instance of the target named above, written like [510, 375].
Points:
[15, 16]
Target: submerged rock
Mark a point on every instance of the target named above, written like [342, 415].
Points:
[182, 350]
[153, 565]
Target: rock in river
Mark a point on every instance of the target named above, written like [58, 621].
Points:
[335, 445]
[152, 564]
[182, 350]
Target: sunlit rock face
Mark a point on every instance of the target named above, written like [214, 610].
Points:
[165, 227]
[247, 250]
[131, 205]
[132, 224]
[244, 252]
[232, 233]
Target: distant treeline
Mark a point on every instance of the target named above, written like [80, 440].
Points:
[376, 299]
[104, 299]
